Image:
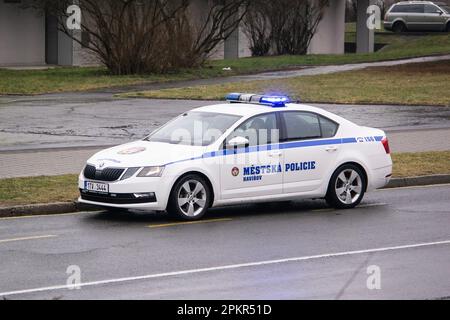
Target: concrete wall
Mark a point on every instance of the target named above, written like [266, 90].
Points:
[22, 35]
[83, 56]
[330, 35]
[365, 38]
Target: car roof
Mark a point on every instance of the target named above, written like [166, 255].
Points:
[247, 109]
[419, 2]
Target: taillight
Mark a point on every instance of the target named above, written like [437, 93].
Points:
[385, 143]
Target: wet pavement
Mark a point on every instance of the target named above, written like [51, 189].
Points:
[56, 134]
[297, 250]
[93, 119]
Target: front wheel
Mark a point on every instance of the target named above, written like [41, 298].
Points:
[190, 198]
[346, 188]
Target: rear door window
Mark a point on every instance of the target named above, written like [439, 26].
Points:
[417, 8]
[301, 126]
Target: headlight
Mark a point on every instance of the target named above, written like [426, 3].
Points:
[151, 172]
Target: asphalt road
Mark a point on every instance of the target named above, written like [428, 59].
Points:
[301, 250]
[97, 119]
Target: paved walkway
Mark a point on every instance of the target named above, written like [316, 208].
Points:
[64, 161]
[307, 71]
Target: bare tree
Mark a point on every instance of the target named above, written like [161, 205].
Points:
[144, 36]
[221, 19]
[257, 27]
[291, 25]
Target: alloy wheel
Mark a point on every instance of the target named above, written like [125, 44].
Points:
[191, 198]
[348, 186]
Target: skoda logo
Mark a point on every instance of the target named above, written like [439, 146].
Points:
[101, 165]
[235, 171]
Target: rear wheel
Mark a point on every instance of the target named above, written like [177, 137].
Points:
[346, 188]
[190, 198]
[399, 27]
[448, 27]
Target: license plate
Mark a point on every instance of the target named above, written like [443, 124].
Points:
[96, 186]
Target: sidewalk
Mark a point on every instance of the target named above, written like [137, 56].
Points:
[65, 161]
[304, 71]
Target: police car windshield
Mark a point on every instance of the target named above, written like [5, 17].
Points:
[194, 128]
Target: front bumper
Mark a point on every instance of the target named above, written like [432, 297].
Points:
[117, 198]
[122, 194]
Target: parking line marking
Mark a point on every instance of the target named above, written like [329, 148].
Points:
[28, 238]
[226, 267]
[187, 222]
[323, 210]
[371, 205]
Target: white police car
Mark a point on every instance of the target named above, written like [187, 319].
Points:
[254, 149]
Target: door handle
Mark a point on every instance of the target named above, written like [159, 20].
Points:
[275, 154]
[331, 148]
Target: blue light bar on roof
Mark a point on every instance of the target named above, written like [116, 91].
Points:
[268, 100]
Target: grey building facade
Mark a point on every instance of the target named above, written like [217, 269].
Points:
[29, 38]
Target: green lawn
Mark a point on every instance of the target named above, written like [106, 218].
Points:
[415, 83]
[45, 189]
[16, 191]
[78, 79]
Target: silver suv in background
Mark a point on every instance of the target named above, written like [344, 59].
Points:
[418, 16]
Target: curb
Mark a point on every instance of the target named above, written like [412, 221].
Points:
[68, 207]
[418, 181]
[44, 209]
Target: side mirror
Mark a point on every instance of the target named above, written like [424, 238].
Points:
[238, 142]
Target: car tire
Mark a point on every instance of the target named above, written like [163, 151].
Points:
[448, 27]
[190, 198]
[346, 187]
[399, 27]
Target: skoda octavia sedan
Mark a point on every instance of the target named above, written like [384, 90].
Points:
[255, 148]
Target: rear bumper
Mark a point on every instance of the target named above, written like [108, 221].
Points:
[380, 177]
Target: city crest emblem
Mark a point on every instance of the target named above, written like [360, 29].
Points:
[235, 171]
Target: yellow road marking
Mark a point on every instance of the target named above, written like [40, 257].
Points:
[323, 210]
[187, 222]
[371, 205]
[28, 238]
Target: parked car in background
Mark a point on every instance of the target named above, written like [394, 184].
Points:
[418, 16]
